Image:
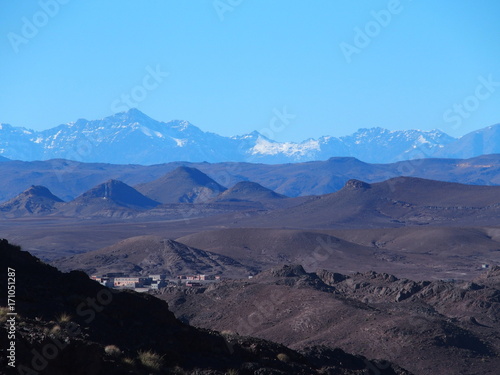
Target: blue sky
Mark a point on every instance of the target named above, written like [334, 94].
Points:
[229, 66]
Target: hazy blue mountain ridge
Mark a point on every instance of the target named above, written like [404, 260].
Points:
[134, 138]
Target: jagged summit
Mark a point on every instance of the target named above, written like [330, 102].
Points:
[131, 116]
[356, 184]
[289, 270]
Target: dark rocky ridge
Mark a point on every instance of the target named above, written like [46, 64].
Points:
[81, 317]
[356, 184]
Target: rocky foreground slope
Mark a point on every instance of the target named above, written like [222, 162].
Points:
[69, 324]
[427, 327]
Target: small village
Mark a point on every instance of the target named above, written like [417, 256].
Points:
[118, 280]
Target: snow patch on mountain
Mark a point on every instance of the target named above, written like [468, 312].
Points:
[290, 149]
[180, 142]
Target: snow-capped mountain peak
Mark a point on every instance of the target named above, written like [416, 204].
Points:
[133, 137]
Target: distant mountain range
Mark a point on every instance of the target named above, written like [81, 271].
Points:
[200, 182]
[133, 137]
[396, 202]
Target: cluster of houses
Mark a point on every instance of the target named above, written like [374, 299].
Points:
[144, 283]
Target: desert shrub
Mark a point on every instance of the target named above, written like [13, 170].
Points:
[64, 318]
[283, 357]
[150, 359]
[177, 370]
[3, 314]
[112, 350]
[55, 330]
[128, 361]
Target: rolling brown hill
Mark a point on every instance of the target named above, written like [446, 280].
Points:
[184, 184]
[146, 255]
[431, 328]
[418, 252]
[117, 192]
[36, 200]
[248, 191]
[400, 201]
[360, 206]
[112, 198]
[266, 247]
